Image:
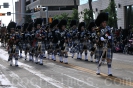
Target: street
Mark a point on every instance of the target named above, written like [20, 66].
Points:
[76, 74]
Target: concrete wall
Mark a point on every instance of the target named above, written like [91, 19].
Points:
[100, 5]
[57, 2]
[51, 3]
[22, 10]
[16, 11]
[45, 3]
[103, 4]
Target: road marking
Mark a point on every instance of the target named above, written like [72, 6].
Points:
[89, 84]
[119, 80]
[48, 79]
[13, 75]
[37, 73]
[80, 81]
[4, 81]
[116, 79]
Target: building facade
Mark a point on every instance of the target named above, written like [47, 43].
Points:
[124, 11]
[55, 7]
[20, 11]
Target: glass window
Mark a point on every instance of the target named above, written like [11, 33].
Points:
[128, 15]
[132, 15]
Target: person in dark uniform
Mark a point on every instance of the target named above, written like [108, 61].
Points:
[40, 47]
[49, 41]
[31, 32]
[82, 41]
[63, 41]
[55, 34]
[12, 43]
[18, 28]
[104, 42]
[91, 28]
[73, 37]
[26, 38]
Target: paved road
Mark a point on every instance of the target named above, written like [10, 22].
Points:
[77, 74]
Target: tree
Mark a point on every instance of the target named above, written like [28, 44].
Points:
[28, 17]
[75, 15]
[62, 16]
[111, 10]
[91, 10]
[87, 16]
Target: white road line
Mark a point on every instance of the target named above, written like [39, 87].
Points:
[77, 79]
[81, 81]
[6, 81]
[16, 77]
[42, 76]
[48, 79]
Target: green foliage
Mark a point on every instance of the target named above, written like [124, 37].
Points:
[28, 17]
[91, 10]
[62, 16]
[111, 10]
[75, 15]
[87, 16]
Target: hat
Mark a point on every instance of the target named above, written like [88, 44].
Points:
[18, 27]
[80, 25]
[25, 25]
[38, 22]
[62, 22]
[73, 22]
[30, 26]
[101, 18]
[55, 22]
[11, 25]
[91, 25]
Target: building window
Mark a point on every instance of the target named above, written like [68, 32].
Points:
[128, 16]
[127, 7]
[132, 15]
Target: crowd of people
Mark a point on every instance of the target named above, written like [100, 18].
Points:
[35, 39]
[123, 41]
